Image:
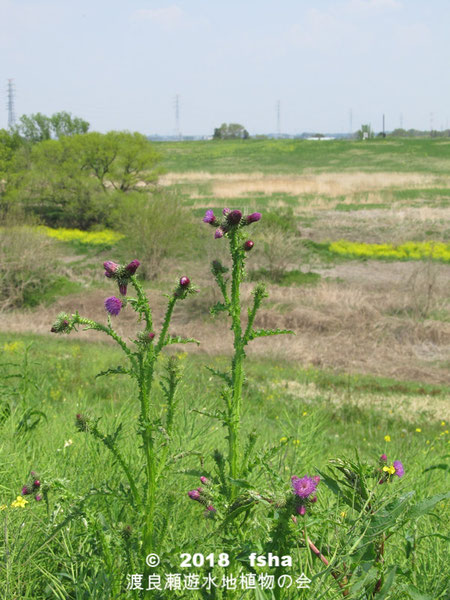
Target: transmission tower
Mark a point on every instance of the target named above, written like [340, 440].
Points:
[278, 118]
[177, 117]
[10, 105]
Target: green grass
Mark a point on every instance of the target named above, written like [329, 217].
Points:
[300, 156]
[287, 278]
[79, 561]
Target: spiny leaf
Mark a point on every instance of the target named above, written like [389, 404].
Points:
[255, 333]
[221, 374]
[180, 340]
[218, 307]
[116, 371]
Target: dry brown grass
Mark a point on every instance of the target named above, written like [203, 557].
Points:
[236, 185]
[365, 324]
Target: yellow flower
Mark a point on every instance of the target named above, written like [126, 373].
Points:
[418, 430]
[390, 470]
[305, 413]
[343, 514]
[446, 431]
[19, 502]
[387, 438]
[443, 423]
[296, 442]
[3, 507]
[428, 441]
[283, 439]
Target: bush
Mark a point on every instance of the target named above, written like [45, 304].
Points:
[27, 265]
[156, 227]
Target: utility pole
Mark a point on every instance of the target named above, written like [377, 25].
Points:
[351, 123]
[401, 121]
[10, 105]
[278, 119]
[177, 117]
[384, 131]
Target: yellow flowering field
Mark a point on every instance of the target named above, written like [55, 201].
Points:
[407, 251]
[105, 236]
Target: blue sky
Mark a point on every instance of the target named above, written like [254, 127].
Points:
[120, 63]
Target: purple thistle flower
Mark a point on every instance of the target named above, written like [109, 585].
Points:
[218, 234]
[211, 508]
[204, 480]
[234, 217]
[194, 495]
[38, 498]
[248, 245]
[150, 335]
[399, 470]
[383, 458]
[226, 211]
[301, 510]
[36, 484]
[184, 281]
[210, 217]
[131, 268]
[303, 487]
[110, 268]
[123, 289]
[253, 218]
[113, 305]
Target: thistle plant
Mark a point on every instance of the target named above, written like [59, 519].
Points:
[154, 430]
[233, 226]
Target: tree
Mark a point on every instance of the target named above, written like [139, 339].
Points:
[38, 127]
[230, 131]
[70, 181]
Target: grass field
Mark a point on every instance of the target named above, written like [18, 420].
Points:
[366, 372]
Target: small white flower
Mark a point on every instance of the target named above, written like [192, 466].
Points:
[67, 443]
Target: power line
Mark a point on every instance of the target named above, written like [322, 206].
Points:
[10, 105]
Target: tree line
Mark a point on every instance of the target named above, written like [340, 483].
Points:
[54, 168]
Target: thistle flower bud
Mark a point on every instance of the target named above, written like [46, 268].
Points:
[253, 218]
[301, 510]
[36, 484]
[383, 458]
[248, 245]
[204, 480]
[113, 305]
[226, 211]
[184, 281]
[123, 289]
[26, 490]
[131, 268]
[194, 495]
[62, 324]
[209, 217]
[38, 498]
[234, 217]
[81, 422]
[210, 511]
[316, 479]
[218, 233]
[127, 532]
[110, 268]
[313, 499]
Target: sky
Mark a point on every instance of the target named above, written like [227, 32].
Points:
[119, 64]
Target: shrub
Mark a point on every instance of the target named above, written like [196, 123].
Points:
[28, 265]
[156, 228]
